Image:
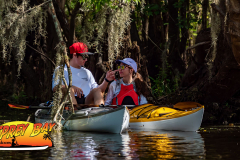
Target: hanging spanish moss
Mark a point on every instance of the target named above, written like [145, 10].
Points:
[107, 20]
[92, 26]
[58, 79]
[164, 56]
[18, 20]
[215, 30]
[143, 2]
[119, 20]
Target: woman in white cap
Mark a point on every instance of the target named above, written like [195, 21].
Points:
[130, 89]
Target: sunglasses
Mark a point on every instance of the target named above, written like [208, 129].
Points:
[84, 56]
[122, 67]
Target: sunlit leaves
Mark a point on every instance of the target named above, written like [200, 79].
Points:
[114, 4]
[155, 9]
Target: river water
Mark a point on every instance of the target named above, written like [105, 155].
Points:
[212, 142]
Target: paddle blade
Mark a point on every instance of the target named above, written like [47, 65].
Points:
[17, 106]
[187, 105]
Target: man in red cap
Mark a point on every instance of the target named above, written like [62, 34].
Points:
[84, 89]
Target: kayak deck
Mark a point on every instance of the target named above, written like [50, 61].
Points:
[165, 118]
[92, 119]
[155, 113]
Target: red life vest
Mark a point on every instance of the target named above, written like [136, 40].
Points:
[126, 91]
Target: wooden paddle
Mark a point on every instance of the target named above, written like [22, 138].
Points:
[180, 105]
[17, 106]
[187, 105]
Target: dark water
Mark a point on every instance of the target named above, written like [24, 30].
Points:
[214, 142]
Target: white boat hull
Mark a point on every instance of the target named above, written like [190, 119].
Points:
[23, 148]
[191, 122]
[112, 121]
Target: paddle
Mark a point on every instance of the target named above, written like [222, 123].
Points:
[180, 105]
[17, 106]
[187, 105]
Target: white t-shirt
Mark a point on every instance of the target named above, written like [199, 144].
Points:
[81, 78]
[113, 91]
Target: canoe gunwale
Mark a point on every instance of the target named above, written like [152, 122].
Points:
[76, 116]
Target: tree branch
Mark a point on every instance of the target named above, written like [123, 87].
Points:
[41, 53]
[194, 46]
[64, 52]
[62, 20]
[61, 4]
[68, 8]
[152, 40]
[37, 6]
[72, 22]
[218, 9]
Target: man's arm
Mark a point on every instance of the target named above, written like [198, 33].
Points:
[63, 88]
[103, 86]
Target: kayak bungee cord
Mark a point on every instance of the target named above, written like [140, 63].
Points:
[140, 108]
[146, 111]
[139, 115]
[154, 110]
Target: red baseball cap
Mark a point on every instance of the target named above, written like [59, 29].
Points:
[79, 47]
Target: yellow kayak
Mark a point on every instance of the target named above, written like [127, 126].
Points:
[184, 116]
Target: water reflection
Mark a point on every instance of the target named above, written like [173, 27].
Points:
[167, 144]
[96, 145]
[134, 144]
[59, 151]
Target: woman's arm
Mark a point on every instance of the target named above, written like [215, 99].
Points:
[110, 94]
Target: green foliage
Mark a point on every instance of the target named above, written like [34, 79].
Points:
[165, 83]
[7, 96]
[20, 98]
[154, 9]
[227, 105]
[16, 95]
[192, 18]
[99, 4]
[191, 21]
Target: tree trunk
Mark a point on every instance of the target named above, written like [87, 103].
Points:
[61, 4]
[154, 41]
[184, 30]
[64, 24]
[173, 34]
[225, 71]
[134, 30]
[205, 5]
[234, 27]
[145, 30]
[72, 23]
